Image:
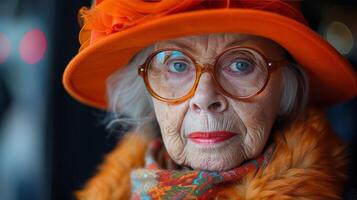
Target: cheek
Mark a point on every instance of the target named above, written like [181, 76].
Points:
[258, 118]
[258, 125]
[170, 118]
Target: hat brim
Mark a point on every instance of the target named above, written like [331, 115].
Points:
[332, 78]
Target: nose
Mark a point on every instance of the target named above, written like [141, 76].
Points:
[207, 98]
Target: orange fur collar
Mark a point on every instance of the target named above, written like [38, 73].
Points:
[309, 163]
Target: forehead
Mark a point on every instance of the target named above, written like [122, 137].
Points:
[220, 41]
[214, 37]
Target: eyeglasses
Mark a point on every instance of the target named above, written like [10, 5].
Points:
[172, 75]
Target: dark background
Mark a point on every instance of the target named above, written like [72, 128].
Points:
[74, 139]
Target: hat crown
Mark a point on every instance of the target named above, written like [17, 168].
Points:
[277, 6]
[110, 16]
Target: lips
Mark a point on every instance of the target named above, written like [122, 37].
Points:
[210, 137]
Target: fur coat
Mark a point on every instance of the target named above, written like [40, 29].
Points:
[309, 163]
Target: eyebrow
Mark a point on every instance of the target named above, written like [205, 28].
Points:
[182, 45]
[236, 42]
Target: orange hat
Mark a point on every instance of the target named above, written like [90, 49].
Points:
[115, 30]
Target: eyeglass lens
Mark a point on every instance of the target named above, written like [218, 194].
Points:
[241, 72]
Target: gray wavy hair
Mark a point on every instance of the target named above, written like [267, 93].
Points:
[131, 106]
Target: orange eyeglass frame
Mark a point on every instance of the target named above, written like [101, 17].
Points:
[271, 65]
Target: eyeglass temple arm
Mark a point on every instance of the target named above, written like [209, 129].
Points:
[141, 70]
[273, 65]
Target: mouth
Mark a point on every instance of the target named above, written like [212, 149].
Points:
[210, 137]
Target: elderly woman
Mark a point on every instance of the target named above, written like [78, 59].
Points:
[225, 100]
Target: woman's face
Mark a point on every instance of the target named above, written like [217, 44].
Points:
[210, 130]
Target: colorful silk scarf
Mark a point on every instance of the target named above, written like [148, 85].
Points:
[162, 179]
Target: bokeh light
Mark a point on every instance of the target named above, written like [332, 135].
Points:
[33, 46]
[5, 48]
[340, 36]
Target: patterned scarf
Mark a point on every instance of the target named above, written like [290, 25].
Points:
[162, 179]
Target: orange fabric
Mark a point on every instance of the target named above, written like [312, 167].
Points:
[115, 30]
[309, 163]
[117, 15]
[113, 180]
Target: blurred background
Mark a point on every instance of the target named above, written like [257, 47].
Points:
[49, 143]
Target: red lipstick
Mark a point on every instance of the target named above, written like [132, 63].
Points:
[210, 137]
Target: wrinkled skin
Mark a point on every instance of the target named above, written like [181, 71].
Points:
[210, 110]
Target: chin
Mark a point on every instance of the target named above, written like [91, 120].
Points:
[214, 164]
[214, 159]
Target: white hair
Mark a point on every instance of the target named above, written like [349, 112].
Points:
[131, 106]
[295, 93]
[129, 103]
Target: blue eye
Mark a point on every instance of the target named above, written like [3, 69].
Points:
[178, 67]
[240, 66]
